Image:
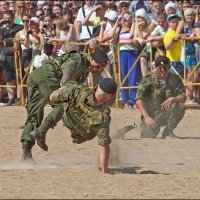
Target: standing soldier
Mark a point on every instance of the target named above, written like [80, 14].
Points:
[160, 99]
[86, 115]
[46, 79]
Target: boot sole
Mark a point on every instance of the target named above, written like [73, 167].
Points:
[42, 145]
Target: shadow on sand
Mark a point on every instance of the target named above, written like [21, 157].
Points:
[133, 170]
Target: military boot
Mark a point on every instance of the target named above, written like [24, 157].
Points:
[166, 132]
[39, 134]
[27, 155]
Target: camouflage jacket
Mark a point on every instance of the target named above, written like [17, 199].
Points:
[60, 69]
[153, 91]
[82, 115]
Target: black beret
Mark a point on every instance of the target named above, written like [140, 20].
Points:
[108, 85]
[99, 56]
[161, 60]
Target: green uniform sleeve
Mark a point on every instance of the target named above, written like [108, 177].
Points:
[142, 88]
[103, 135]
[68, 69]
[65, 93]
[69, 64]
[102, 130]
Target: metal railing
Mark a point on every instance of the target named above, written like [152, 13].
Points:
[116, 72]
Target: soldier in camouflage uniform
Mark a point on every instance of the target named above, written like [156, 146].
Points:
[85, 113]
[46, 79]
[160, 99]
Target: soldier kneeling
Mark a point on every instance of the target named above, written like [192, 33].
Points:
[160, 99]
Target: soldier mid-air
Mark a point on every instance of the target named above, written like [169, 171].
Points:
[48, 78]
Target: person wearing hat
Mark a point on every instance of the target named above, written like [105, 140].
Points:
[48, 78]
[171, 8]
[172, 44]
[160, 99]
[86, 115]
[187, 29]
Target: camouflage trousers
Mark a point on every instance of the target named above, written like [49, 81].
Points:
[37, 98]
[169, 118]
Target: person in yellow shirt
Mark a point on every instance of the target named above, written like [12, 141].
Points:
[173, 44]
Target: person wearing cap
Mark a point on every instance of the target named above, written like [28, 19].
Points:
[107, 32]
[187, 29]
[171, 8]
[172, 44]
[48, 78]
[86, 115]
[160, 99]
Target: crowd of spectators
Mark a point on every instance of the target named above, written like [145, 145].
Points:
[38, 29]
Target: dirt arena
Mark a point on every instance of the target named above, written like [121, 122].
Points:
[141, 168]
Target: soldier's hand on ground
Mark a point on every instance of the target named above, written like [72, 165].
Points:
[150, 122]
[167, 103]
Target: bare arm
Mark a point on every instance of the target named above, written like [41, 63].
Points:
[168, 102]
[16, 46]
[149, 30]
[155, 38]
[27, 41]
[102, 30]
[77, 28]
[69, 34]
[132, 31]
[104, 157]
[86, 21]
[150, 122]
[197, 32]
[180, 27]
[140, 106]
[114, 29]
[42, 42]
[168, 46]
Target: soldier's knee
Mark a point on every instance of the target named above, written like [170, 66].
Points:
[147, 132]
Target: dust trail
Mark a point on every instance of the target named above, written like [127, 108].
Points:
[116, 135]
[27, 165]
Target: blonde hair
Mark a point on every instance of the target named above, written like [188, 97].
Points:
[63, 23]
[17, 3]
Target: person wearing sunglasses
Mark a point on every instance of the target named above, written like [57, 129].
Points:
[19, 11]
[46, 9]
[160, 99]
[31, 9]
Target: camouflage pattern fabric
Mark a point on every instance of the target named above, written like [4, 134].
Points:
[153, 92]
[82, 116]
[46, 79]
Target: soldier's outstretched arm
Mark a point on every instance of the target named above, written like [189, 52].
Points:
[104, 157]
[65, 93]
[68, 69]
[140, 105]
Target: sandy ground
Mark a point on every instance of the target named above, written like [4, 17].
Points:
[141, 168]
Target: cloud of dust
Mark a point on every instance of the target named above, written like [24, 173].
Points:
[25, 165]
